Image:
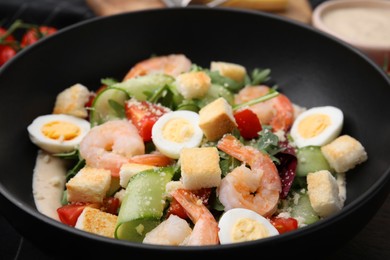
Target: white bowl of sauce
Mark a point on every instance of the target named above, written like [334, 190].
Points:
[364, 24]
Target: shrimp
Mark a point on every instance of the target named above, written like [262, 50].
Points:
[205, 231]
[257, 188]
[111, 144]
[277, 112]
[172, 65]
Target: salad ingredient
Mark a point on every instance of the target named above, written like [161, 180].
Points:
[302, 209]
[284, 225]
[69, 214]
[108, 105]
[128, 170]
[96, 221]
[216, 91]
[89, 185]
[176, 130]
[72, 101]
[323, 193]
[171, 231]
[344, 153]
[32, 35]
[200, 168]
[217, 119]
[175, 208]
[230, 70]
[155, 159]
[247, 123]
[277, 112]
[310, 159]
[205, 230]
[257, 188]
[193, 84]
[317, 126]
[241, 224]
[173, 65]
[144, 115]
[111, 144]
[140, 87]
[58, 133]
[143, 204]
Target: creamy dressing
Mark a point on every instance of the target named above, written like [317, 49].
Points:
[48, 183]
[365, 25]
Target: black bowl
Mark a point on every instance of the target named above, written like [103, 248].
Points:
[310, 67]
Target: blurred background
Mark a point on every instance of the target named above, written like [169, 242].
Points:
[371, 243]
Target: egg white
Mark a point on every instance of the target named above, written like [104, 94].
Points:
[228, 220]
[56, 145]
[172, 148]
[327, 135]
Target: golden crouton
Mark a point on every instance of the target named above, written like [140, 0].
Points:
[344, 153]
[200, 167]
[89, 185]
[233, 71]
[323, 192]
[96, 221]
[216, 119]
[194, 84]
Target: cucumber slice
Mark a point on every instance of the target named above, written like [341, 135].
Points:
[108, 104]
[216, 91]
[311, 159]
[140, 86]
[143, 204]
[303, 210]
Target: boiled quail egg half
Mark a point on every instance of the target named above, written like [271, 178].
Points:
[240, 225]
[58, 133]
[317, 126]
[175, 130]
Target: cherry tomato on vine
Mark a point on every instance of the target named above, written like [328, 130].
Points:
[9, 38]
[6, 53]
[31, 36]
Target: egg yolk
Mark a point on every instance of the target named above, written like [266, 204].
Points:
[313, 125]
[60, 130]
[247, 229]
[178, 130]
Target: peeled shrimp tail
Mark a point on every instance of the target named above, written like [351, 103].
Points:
[205, 231]
[258, 187]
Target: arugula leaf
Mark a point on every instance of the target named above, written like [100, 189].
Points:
[260, 76]
[218, 79]
[268, 142]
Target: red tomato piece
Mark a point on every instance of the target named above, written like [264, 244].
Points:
[144, 114]
[6, 53]
[284, 225]
[176, 209]
[247, 123]
[31, 36]
[9, 38]
[111, 205]
[69, 214]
